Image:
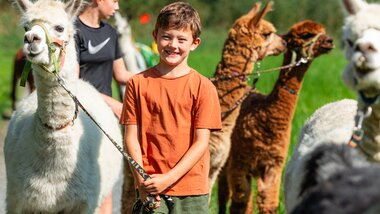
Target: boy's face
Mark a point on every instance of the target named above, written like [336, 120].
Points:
[174, 46]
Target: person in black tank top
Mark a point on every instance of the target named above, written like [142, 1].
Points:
[98, 51]
[100, 58]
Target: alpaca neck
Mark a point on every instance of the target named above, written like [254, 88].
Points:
[290, 79]
[129, 51]
[371, 141]
[284, 95]
[55, 107]
[234, 61]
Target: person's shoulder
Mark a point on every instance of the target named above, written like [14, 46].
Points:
[108, 26]
[203, 80]
[143, 74]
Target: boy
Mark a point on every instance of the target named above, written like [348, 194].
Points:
[169, 111]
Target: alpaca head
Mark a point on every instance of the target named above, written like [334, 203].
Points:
[122, 25]
[252, 31]
[47, 17]
[361, 33]
[308, 39]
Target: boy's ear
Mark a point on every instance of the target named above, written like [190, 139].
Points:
[154, 35]
[195, 44]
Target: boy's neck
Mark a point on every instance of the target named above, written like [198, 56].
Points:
[173, 71]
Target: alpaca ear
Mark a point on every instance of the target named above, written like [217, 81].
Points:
[73, 7]
[254, 9]
[23, 5]
[353, 6]
[257, 18]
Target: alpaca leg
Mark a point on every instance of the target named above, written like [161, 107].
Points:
[223, 191]
[240, 185]
[268, 192]
[218, 155]
[128, 194]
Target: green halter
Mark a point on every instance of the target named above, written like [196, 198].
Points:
[52, 44]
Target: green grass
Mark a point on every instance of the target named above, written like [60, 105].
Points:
[322, 83]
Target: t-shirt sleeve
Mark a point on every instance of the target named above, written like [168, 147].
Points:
[77, 45]
[128, 114]
[208, 113]
[118, 52]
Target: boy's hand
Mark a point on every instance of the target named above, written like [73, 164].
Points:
[146, 198]
[157, 184]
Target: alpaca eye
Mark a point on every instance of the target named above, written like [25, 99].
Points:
[350, 42]
[27, 28]
[306, 36]
[267, 35]
[59, 28]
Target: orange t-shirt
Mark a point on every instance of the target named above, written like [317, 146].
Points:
[167, 111]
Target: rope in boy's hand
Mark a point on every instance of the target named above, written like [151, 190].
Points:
[150, 203]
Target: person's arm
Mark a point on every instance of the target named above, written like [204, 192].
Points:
[132, 146]
[120, 73]
[115, 105]
[160, 182]
[77, 69]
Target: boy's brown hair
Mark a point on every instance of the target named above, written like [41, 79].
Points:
[179, 15]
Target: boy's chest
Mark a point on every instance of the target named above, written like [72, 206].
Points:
[160, 98]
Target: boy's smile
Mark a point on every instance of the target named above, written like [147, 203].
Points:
[174, 46]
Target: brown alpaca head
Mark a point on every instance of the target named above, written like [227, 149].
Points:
[253, 32]
[308, 39]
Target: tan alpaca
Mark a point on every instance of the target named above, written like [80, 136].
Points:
[261, 136]
[249, 40]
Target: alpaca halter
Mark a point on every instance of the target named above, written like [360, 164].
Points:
[150, 203]
[309, 54]
[52, 44]
[242, 76]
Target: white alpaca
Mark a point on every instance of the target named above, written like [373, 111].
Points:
[335, 122]
[54, 161]
[133, 59]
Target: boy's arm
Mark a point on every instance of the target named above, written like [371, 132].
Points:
[160, 182]
[132, 146]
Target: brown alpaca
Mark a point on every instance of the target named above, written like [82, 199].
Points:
[18, 66]
[250, 39]
[261, 136]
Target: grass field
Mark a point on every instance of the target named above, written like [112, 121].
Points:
[322, 83]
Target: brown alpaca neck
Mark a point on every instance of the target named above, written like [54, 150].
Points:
[290, 79]
[284, 95]
[234, 61]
